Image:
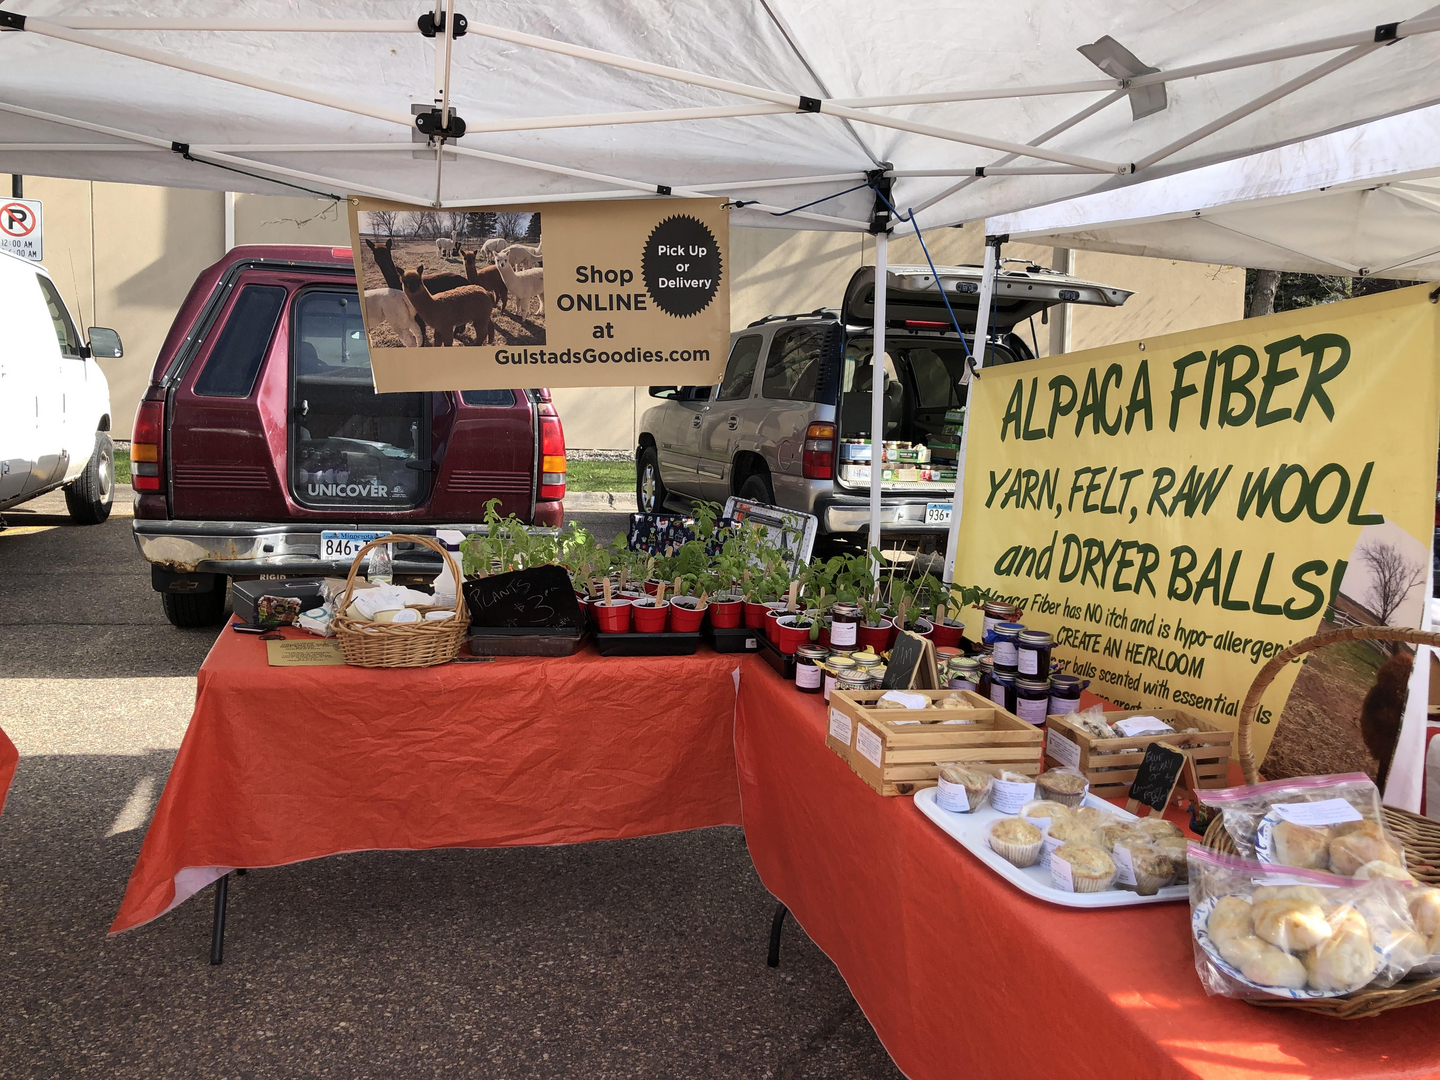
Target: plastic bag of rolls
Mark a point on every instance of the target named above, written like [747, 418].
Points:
[1263, 931]
[1329, 823]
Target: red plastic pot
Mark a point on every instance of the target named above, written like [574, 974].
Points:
[650, 618]
[726, 614]
[948, 634]
[923, 627]
[612, 618]
[789, 637]
[876, 638]
[652, 585]
[686, 620]
[755, 615]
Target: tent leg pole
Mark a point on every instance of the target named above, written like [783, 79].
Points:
[982, 333]
[776, 925]
[877, 399]
[217, 929]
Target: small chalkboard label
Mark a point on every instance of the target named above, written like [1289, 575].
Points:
[912, 664]
[538, 596]
[1156, 778]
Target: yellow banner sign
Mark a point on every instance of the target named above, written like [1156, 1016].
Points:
[624, 293]
[1179, 510]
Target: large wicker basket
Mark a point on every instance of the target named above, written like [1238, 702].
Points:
[1419, 836]
[395, 645]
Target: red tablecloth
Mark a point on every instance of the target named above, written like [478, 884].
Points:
[9, 758]
[284, 764]
[962, 975]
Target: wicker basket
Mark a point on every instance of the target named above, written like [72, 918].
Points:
[395, 645]
[1419, 836]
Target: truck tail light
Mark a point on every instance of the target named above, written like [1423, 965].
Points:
[552, 454]
[147, 446]
[819, 456]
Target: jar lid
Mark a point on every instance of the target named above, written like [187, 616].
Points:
[847, 609]
[999, 607]
[1065, 682]
[986, 663]
[852, 681]
[838, 661]
[867, 660]
[964, 662]
[1001, 677]
[1036, 685]
[947, 654]
[812, 652]
[1034, 637]
[1008, 628]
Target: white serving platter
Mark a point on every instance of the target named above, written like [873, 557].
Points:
[969, 831]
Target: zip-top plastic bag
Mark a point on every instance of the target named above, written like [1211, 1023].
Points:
[1328, 823]
[1269, 931]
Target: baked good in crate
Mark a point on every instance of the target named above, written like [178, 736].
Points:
[1061, 785]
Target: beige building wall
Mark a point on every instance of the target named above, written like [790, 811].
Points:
[126, 256]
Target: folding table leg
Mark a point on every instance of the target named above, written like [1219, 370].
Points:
[779, 921]
[217, 929]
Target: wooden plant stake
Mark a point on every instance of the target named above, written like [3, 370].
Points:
[900, 612]
[606, 586]
[660, 594]
[940, 614]
[676, 587]
[794, 592]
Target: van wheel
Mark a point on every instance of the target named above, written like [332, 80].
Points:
[188, 610]
[90, 495]
[757, 488]
[650, 493]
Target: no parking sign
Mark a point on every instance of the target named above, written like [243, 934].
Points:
[20, 229]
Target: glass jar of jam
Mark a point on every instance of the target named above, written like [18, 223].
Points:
[987, 670]
[1032, 699]
[1065, 694]
[809, 675]
[844, 618]
[835, 668]
[1002, 690]
[1033, 653]
[1007, 653]
[964, 674]
[855, 679]
[997, 611]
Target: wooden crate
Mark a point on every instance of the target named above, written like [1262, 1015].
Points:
[1110, 764]
[898, 751]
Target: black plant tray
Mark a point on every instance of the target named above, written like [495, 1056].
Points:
[525, 640]
[784, 665]
[734, 638]
[666, 643]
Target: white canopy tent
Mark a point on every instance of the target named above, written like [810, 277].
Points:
[790, 108]
[1365, 202]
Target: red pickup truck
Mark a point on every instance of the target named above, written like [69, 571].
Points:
[261, 449]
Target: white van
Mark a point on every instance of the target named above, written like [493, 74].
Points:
[54, 400]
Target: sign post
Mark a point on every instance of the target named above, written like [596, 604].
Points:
[21, 229]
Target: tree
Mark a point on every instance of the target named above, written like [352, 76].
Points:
[532, 230]
[482, 223]
[1268, 291]
[383, 221]
[509, 224]
[454, 223]
[1394, 578]
[1261, 296]
[426, 224]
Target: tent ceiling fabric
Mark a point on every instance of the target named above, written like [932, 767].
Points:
[840, 53]
[1362, 201]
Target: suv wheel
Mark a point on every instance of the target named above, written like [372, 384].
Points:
[650, 493]
[188, 610]
[90, 495]
[757, 488]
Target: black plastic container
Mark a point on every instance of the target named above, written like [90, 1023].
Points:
[783, 664]
[662, 644]
[732, 639]
[244, 595]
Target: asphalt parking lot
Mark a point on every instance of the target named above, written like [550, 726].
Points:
[637, 958]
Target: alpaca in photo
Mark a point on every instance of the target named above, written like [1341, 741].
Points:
[525, 285]
[447, 311]
[385, 260]
[1382, 711]
[488, 278]
[494, 246]
[521, 257]
[392, 306]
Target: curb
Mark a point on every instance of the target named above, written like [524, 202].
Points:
[623, 501]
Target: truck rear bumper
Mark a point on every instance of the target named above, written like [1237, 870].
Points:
[241, 548]
[848, 515]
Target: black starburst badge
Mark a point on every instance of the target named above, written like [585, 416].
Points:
[681, 265]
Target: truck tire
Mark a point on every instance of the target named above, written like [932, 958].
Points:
[90, 495]
[650, 493]
[757, 488]
[188, 610]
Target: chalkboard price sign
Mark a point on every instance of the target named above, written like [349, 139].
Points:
[538, 596]
[1156, 778]
[912, 664]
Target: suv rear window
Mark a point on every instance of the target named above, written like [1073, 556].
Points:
[490, 398]
[240, 349]
[792, 372]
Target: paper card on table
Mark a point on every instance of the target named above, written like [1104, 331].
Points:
[319, 653]
[1124, 865]
[840, 726]
[1143, 725]
[1324, 812]
[1065, 751]
[869, 745]
[910, 701]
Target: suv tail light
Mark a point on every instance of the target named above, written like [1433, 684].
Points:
[552, 453]
[819, 456]
[147, 446]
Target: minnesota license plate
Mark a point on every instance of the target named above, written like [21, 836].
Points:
[345, 545]
[937, 513]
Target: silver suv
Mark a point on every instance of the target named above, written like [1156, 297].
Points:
[789, 423]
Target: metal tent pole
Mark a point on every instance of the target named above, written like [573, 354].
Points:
[982, 333]
[877, 396]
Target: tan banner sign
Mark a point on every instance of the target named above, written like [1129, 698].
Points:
[624, 293]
